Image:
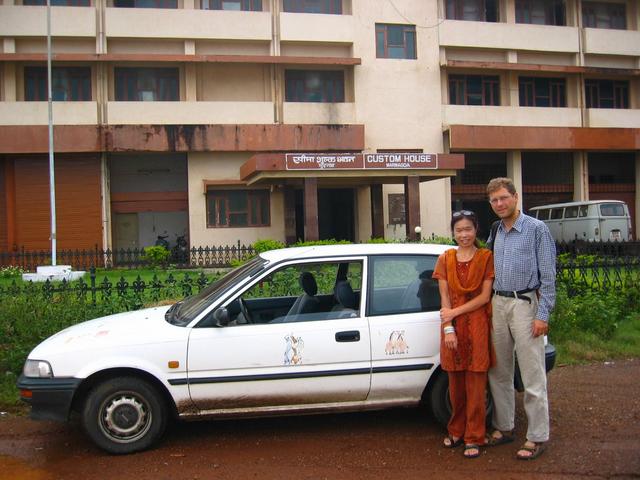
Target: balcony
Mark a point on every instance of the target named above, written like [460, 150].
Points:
[319, 113]
[189, 24]
[511, 116]
[611, 42]
[31, 21]
[189, 113]
[503, 36]
[37, 113]
[306, 28]
[613, 118]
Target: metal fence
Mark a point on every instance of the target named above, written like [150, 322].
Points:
[136, 292]
[204, 257]
[577, 274]
[606, 249]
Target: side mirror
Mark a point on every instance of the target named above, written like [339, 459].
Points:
[221, 316]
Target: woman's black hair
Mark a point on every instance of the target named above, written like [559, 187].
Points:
[469, 215]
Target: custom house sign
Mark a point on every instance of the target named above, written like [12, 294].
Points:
[360, 161]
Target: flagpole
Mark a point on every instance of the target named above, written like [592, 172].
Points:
[52, 181]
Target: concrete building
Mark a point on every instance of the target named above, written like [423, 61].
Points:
[231, 120]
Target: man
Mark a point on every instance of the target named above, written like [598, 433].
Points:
[524, 295]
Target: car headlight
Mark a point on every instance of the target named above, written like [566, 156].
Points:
[37, 369]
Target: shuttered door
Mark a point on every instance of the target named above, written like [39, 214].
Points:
[78, 207]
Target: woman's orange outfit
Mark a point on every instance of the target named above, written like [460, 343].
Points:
[468, 364]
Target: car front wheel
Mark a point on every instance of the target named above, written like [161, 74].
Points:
[124, 415]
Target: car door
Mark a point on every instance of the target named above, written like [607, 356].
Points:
[313, 358]
[403, 308]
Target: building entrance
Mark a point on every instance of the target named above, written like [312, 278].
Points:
[336, 214]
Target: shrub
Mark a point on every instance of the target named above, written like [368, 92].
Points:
[156, 256]
[267, 244]
[11, 272]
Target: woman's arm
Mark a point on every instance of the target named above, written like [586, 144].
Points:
[450, 339]
[448, 314]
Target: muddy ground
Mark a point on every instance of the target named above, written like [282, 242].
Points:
[595, 413]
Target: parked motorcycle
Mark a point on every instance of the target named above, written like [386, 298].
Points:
[180, 251]
[162, 241]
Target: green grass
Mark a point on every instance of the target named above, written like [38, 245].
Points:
[586, 347]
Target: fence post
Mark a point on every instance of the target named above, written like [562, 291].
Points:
[92, 276]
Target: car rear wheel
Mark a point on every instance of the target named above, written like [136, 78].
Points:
[124, 415]
[440, 403]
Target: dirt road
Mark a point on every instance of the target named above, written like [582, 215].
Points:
[595, 414]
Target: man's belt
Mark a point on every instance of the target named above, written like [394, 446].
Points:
[515, 293]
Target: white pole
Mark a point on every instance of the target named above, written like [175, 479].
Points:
[52, 179]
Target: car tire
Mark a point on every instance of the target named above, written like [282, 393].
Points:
[441, 405]
[124, 415]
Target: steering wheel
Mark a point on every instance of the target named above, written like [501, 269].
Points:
[244, 310]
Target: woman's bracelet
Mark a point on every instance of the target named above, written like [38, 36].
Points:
[449, 329]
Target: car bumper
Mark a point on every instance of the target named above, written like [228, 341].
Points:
[50, 398]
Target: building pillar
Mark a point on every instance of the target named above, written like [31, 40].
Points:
[514, 172]
[377, 211]
[289, 215]
[311, 209]
[10, 202]
[637, 219]
[580, 177]
[412, 205]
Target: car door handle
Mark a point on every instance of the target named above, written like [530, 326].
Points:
[348, 336]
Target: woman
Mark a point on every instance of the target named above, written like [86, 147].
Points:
[465, 277]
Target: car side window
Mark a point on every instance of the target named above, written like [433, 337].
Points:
[402, 284]
[556, 213]
[584, 211]
[301, 293]
[571, 212]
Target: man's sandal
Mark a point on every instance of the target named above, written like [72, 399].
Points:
[450, 442]
[532, 452]
[493, 441]
[468, 450]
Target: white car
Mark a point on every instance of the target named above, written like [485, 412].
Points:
[298, 330]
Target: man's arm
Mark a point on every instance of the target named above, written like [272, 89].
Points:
[546, 254]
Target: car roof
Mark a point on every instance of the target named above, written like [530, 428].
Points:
[354, 249]
[571, 204]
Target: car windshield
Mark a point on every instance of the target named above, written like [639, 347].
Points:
[183, 312]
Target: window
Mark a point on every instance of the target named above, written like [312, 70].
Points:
[612, 210]
[313, 6]
[395, 41]
[556, 213]
[542, 92]
[58, 3]
[301, 293]
[238, 208]
[314, 86]
[477, 10]
[604, 15]
[571, 212]
[69, 84]
[244, 5]
[540, 12]
[145, 3]
[403, 284]
[607, 93]
[544, 214]
[474, 90]
[147, 85]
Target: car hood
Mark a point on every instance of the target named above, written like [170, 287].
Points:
[123, 329]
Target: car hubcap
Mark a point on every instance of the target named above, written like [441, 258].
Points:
[125, 418]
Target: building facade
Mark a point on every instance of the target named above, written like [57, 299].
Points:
[238, 120]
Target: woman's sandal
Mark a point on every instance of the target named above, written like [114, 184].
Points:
[534, 452]
[493, 441]
[450, 442]
[467, 450]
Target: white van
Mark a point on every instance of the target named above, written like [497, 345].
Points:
[594, 220]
